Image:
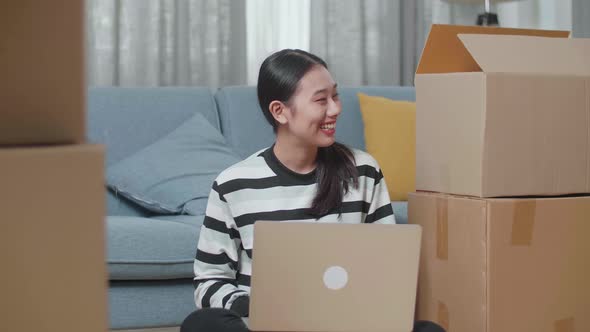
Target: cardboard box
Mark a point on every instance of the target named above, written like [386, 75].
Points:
[42, 80]
[503, 265]
[503, 112]
[52, 238]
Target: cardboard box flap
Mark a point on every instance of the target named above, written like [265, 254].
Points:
[445, 53]
[526, 54]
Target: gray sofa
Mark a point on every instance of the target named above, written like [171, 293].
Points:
[150, 255]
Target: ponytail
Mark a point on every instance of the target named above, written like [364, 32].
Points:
[336, 172]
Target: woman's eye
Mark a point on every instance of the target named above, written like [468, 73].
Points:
[322, 100]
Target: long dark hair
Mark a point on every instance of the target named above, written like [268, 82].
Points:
[336, 169]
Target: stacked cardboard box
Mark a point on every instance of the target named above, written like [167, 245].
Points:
[51, 182]
[503, 123]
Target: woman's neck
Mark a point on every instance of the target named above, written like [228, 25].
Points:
[297, 157]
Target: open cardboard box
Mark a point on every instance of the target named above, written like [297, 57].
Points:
[503, 112]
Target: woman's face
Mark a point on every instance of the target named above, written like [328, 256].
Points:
[314, 108]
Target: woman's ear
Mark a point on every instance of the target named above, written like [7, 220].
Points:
[278, 111]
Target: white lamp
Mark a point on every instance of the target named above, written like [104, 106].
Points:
[487, 18]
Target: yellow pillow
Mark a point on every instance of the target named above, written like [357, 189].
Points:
[390, 136]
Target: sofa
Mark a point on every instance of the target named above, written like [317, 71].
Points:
[150, 254]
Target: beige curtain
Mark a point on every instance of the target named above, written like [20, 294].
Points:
[166, 42]
[369, 42]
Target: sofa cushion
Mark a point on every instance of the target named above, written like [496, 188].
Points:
[247, 131]
[142, 248]
[128, 119]
[390, 135]
[175, 170]
[150, 303]
[120, 206]
[400, 210]
[196, 206]
[164, 247]
[195, 221]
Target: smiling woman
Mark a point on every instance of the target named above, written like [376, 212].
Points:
[299, 98]
[305, 176]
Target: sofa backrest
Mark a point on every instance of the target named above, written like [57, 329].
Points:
[129, 119]
[247, 131]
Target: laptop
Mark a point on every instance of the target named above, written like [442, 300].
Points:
[334, 277]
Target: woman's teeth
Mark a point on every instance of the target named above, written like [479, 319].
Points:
[328, 126]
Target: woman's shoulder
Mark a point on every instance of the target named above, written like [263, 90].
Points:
[363, 158]
[367, 166]
[251, 167]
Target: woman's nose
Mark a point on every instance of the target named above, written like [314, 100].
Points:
[334, 109]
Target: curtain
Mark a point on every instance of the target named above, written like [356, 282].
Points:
[581, 18]
[273, 25]
[166, 42]
[532, 14]
[223, 42]
[369, 42]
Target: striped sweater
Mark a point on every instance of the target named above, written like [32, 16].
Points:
[261, 188]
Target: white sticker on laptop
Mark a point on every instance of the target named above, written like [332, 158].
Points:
[335, 277]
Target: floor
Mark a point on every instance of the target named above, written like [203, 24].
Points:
[157, 329]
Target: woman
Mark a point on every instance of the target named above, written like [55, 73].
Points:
[305, 175]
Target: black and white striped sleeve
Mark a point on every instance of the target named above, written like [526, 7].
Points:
[380, 209]
[218, 251]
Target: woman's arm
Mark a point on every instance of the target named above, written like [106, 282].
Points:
[380, 210]
[217, 259]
